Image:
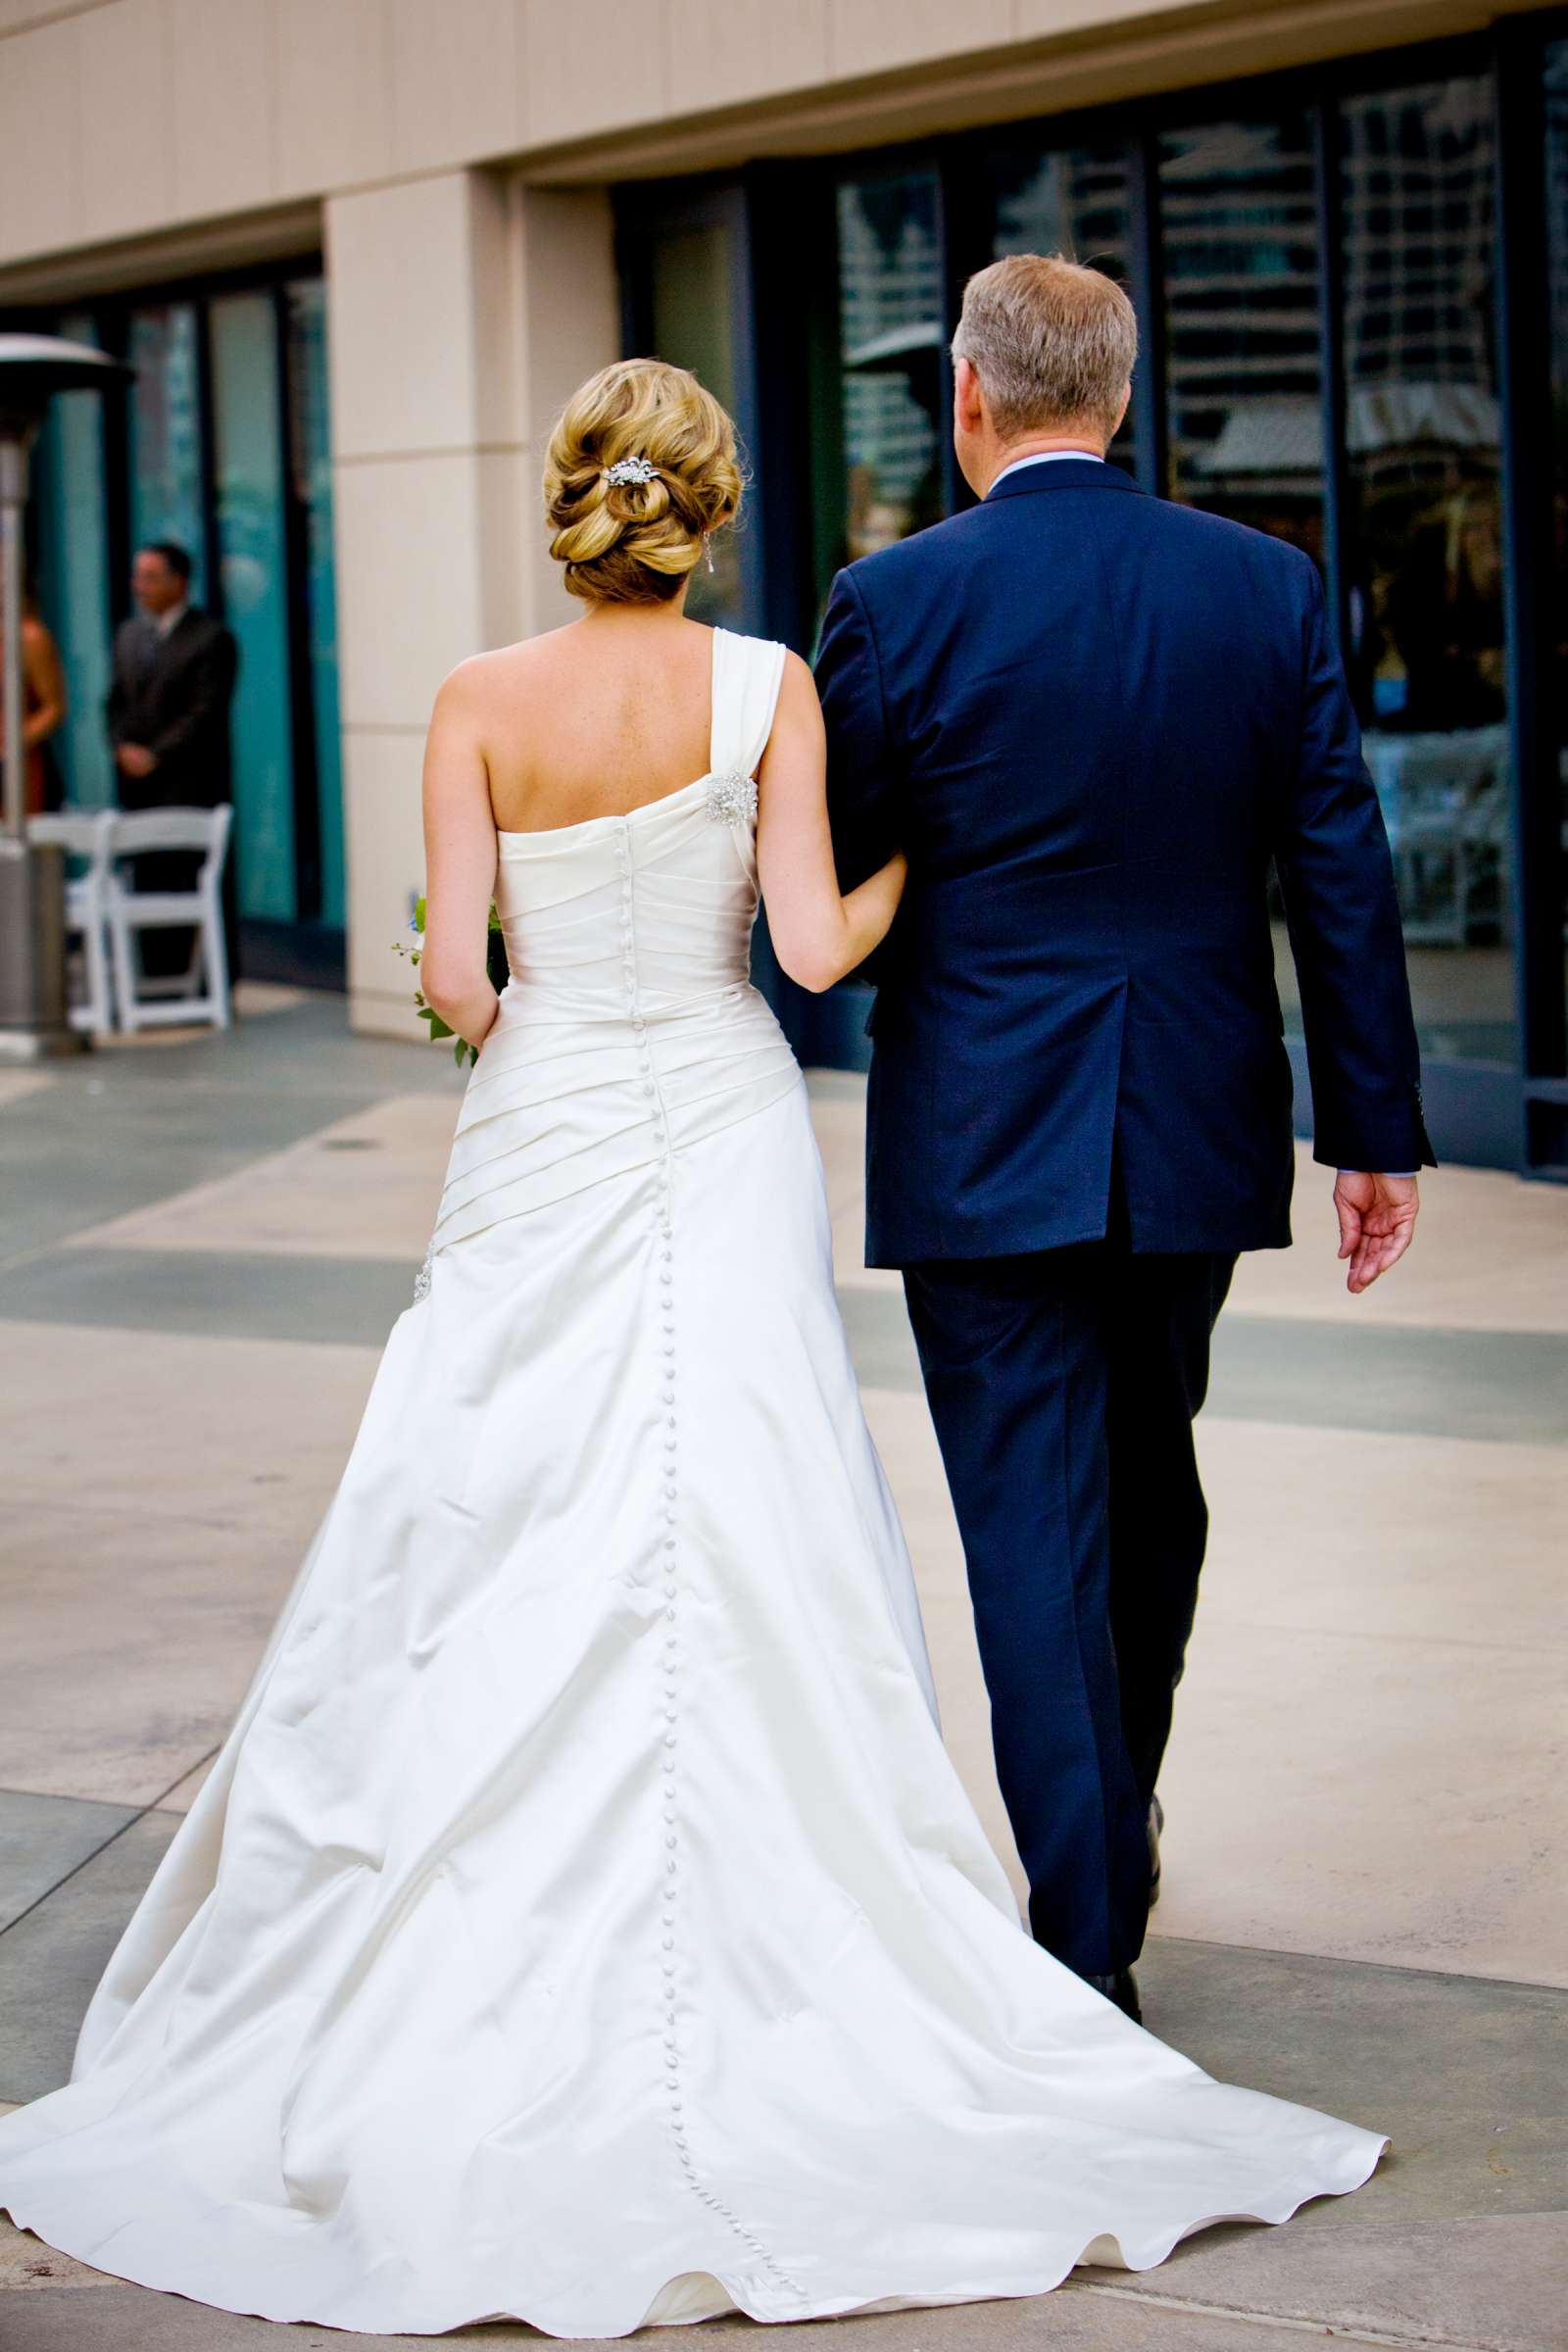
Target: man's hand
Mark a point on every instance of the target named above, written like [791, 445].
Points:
[1377, 1223]
[135, 760]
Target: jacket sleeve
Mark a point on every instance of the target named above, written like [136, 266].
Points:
[1343, 913]
[861, 776]
[211, 683]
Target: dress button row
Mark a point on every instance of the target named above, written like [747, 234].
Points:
[670, 1711]
[668, 1513]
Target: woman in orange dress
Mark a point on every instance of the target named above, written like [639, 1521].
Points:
[43, 703]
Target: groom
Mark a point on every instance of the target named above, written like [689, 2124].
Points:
[1092, 720]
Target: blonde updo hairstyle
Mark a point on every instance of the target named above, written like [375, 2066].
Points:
[633, 543]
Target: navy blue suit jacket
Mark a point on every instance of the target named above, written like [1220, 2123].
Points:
[1093, 719]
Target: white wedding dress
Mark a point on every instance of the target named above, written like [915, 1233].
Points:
[583, 1922]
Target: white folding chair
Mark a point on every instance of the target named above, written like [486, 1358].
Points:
[1444, 797]
[85, 833]
[200, 993]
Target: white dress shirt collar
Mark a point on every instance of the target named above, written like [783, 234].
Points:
[167, 623]
[1048, 457]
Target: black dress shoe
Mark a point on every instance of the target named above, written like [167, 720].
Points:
[1122, 1988]
[1157, 1822]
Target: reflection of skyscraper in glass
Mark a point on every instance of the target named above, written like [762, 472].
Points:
[1417, 189]
[1073, 202]
[890, 310]
[1239, 220]
[1427, 639]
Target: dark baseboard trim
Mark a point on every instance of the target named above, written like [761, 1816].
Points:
[297, 954]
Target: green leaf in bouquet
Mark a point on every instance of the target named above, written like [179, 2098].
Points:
[496, 965]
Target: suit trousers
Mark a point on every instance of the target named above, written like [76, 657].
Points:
[1063, 1386]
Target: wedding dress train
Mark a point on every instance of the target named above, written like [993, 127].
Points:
[583, 1922]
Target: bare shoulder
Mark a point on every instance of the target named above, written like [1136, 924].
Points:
[798, 698]
[796, 749]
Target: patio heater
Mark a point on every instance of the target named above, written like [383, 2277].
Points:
[34, 1024]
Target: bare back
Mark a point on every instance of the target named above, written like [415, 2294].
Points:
[595, 719]
[598, 720]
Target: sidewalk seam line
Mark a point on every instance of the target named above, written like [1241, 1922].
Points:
[1274, 2319]
[139, 1814]
[1402, 1968]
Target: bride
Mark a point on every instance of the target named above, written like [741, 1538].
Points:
[583, 1922]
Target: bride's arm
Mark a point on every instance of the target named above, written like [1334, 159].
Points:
[460, 863]
[819, 934]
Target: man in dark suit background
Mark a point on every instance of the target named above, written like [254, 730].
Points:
[1093, 720]
[174, 676]
[168, 711]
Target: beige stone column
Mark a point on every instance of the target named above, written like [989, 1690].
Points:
[461, 308]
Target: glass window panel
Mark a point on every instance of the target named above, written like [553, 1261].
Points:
[72, 578]
[311, 455]
[1245, 409]
[1555, 684]
[891, 337]
[692, 294]
[166, 441]
[248, 450]
[1425, 538]
[1075, 201]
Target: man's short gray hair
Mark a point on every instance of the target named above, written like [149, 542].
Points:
[1051, 342]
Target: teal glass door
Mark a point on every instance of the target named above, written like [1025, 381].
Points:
[219, 442]
[167, 474]
[688, 277]
[311, 479]
[72, 578]
[248, 465]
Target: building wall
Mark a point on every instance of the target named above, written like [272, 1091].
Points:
[121, 118]
[463, 309]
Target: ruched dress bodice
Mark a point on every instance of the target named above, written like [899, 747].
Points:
[629, 1029]
[644, 915]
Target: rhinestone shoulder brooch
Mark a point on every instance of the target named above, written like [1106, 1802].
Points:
[422, 1280]
[732, 800]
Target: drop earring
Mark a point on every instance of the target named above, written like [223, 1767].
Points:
[707, 553]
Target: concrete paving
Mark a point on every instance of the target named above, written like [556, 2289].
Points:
[202, 1243]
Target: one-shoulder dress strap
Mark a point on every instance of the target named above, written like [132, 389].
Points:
[746, 674]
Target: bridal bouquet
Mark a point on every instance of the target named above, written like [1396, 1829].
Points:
[496, 962]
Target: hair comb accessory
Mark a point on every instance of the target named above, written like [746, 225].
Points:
[626, 471]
